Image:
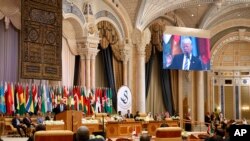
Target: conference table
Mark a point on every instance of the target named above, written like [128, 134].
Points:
[125, 128]
[116, 129]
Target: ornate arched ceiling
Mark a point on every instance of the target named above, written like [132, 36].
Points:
[194, 13]
[217, 15]
[225, 32]
[231, 52]
[150, 10]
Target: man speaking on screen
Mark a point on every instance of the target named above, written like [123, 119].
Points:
[186, 61]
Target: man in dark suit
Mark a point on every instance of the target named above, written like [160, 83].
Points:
[17, 123]
[48, 116]
[27, 120]
[129, 115]
[186, 61]
[60, 107]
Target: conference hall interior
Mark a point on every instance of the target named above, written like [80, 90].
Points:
[123, 70]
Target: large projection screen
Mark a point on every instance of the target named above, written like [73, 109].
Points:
[186, 49]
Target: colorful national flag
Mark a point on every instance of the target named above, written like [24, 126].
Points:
[9, 100]
[2, 99]
[110, 107]
[34, 95]
[21, 100]
[29, 105]
[84, 101]
[44, 99]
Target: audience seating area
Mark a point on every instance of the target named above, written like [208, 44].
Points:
[161, 133]
[10, 130]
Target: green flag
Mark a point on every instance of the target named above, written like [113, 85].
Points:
[44, 99]
[84, 101]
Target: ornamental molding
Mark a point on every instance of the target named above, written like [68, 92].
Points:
[232, 37]
[150, 10]
[229, 24]
[214, 14]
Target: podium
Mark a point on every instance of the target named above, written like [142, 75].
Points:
[72, 119]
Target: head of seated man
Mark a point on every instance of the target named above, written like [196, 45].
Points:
[164, 124]
[82, 133]
[40, 127]
[144, 137]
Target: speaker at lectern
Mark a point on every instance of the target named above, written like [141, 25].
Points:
[72, 119]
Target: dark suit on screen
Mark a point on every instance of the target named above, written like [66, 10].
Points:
[177, 63]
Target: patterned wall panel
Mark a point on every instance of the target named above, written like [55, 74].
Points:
[41, 39]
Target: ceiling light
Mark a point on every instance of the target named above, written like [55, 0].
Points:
[192, 15]
[199, 5]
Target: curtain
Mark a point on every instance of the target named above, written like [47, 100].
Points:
[100, 73]
[118, 71]
[155, 101]
[108, 65]
[174, 87]
[166, 86]
[148, 72]
[68, 64]
[9, 44]
[77, 74]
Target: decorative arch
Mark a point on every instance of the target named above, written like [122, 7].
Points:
[108, 35]
[176, 19]
[212, 16]
[229, 24]
[72, 30]
[104, 14]
[74, 20]
[229, 38]
[157, 29]
[153, 9]
[119, 34]
[123, 16]
[70, 8]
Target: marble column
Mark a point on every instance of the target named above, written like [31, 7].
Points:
[140, 39]
[87, 49]
[88, 71]
[82, 71]
[125, 72]
[200, 96]
[125, 57]
[141, 90]
[93, 56]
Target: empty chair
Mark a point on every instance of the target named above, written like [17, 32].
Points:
[168, 133]
[54, 135]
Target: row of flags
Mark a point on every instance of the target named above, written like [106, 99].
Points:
[22, 98]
